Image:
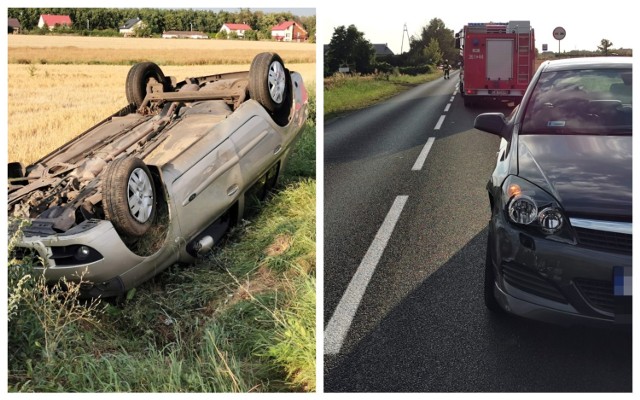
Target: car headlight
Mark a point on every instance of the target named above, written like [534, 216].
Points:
[522, 210]
[551, 220]
[529, 206]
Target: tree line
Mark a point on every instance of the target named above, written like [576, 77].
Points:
[158, 21]
[432, 46]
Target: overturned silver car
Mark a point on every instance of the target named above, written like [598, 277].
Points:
[161, 180]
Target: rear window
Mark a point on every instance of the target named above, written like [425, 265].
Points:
[596, 101]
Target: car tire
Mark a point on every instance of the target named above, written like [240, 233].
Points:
[129, 196]
[489, 283]
[137, 79]
[268, 82]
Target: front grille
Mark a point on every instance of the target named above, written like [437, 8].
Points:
[602, 240]
[530, 281]
[26, 254]
[598, 293]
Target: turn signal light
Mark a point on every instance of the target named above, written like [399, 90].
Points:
[514, 190]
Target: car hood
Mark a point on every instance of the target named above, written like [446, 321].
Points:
[589, 175]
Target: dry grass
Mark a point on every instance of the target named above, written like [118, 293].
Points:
[114, 50]
[49, 105]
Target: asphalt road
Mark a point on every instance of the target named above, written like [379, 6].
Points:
[404, 254]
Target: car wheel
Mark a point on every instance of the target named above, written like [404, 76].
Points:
[489, 282]
[268, 83]
[129, 196]
[137, 79]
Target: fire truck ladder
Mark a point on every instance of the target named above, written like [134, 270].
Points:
[524, 57]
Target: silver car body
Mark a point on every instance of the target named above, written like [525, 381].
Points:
[204, 159]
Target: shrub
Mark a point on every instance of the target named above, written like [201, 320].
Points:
[251, 35]
[415, 69]
[44, 321]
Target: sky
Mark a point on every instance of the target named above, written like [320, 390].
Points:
[586, 23]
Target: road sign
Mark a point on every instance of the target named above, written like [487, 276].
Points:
[559, 33]
[545, 47]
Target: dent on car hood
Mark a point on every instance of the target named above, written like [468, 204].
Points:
[589, 175]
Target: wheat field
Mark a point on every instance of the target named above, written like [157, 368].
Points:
[48, 105]
[34, 49]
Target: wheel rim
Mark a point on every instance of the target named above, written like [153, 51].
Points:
[276, 82]
[140, 195]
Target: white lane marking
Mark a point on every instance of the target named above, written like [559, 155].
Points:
[451, 99]
[439, 124]
[423, 155]
[340, 322]
[447, 107]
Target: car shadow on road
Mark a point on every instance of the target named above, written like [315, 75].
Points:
[441, 338]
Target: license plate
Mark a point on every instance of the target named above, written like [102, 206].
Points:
[499, 92]
[622, 281]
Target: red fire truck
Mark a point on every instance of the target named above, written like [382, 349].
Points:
[498, 60]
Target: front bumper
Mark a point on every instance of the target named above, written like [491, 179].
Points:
[556, 282]
[116, 258]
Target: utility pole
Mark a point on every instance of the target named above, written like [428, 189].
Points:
[404, 30]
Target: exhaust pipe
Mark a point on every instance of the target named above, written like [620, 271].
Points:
[203, 245]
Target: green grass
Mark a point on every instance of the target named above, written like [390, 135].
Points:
[242, 320]
[344, 93]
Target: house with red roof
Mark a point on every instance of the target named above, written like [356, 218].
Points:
[289, 31]
[54, 20]
[239, 29]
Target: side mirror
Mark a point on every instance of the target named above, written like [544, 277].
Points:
[494, 123]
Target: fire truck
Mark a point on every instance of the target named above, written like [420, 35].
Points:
[498, 61]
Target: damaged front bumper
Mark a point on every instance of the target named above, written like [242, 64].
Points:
[556, 282]
[92, 253]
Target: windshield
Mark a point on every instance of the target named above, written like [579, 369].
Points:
[596, 101]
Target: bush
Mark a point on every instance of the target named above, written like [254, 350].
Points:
[251, 35]
[382, 67]
[45, 323]
[415, 70]
[221, 35]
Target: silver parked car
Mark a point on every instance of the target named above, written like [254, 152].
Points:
[161, 180]
[560, 235]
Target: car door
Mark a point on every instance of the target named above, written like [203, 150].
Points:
[258, 146]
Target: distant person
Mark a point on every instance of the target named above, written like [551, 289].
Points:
[446, 67]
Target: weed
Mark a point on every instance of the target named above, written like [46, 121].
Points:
[348, 93]
[45, 319]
